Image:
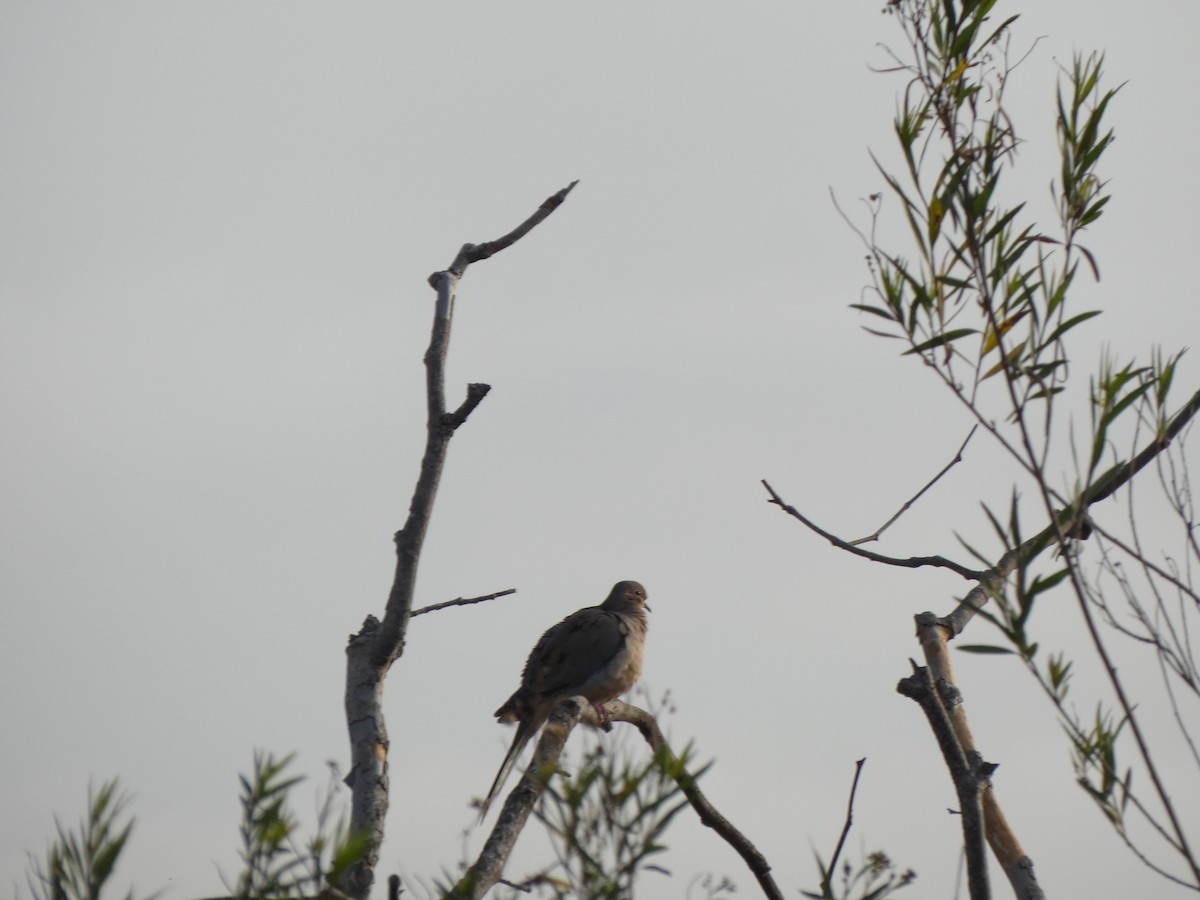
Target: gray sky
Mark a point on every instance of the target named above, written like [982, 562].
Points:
[216, 221]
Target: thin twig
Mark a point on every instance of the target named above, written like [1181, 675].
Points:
[1150, 568]
[460, 602]
[837, 851]
[912, 562]
[525, 887]
[917, 496]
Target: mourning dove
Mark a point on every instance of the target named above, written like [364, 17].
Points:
[595, 652]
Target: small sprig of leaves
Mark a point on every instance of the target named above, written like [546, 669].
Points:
[874, 878]
[608, 819]
[80, 861]
[274, 865]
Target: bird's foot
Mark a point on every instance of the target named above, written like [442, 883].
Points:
[602, 714]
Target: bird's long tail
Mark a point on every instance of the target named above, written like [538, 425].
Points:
[520, 739]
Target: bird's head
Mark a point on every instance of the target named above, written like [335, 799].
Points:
[627, 596]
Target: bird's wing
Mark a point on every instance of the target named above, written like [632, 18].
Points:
[574, 652]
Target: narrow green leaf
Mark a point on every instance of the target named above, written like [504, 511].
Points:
[874, 310]
[945, 337]
[1046, 583]
[985, 648]
[1068, 325]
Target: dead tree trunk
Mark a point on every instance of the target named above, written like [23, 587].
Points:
[371, 652]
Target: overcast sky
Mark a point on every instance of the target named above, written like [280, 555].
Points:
[216, 221]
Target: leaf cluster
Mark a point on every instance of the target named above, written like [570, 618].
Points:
[985, 294]
[80, 861]
[607, 820]
[274, 864]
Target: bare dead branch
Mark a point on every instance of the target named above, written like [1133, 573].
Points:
[912, 562]
[619, 711]
[933, 635]
[519, 803]
[476, 252]
[475, 395]
[1064, 525]
[967, 769]
[460, 601]
[371, 652]
[917, 496]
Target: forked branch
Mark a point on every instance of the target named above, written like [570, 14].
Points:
[911, 562]
[917, 496]
[519, 804]
[967, 769]
[371, 652]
